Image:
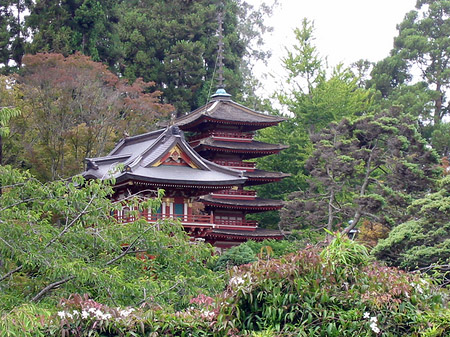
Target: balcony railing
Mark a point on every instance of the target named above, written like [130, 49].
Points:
[190, 219]
[199, 219]
[236, 164]
[222, 135]
[232, 223]
[235, 193]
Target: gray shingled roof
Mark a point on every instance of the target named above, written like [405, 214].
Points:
[258, 233]
[261, 174]
[250, 147]
[137, 154]
[224, 109]
[244, 203]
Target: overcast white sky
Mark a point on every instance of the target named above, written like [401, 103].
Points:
[345, 30]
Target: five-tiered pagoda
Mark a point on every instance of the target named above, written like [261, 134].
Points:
[223, 132]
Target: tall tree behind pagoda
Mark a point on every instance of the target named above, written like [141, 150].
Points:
[172, 43]
[311, 100]
[75, 108]
[175, 44]
[12, 33]
[69, 26]
[421, 52]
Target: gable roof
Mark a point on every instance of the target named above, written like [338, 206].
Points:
[140, 158]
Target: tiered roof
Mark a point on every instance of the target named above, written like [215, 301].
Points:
[222, 110]
[161, 158]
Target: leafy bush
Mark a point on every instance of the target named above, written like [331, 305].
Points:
[235, 256]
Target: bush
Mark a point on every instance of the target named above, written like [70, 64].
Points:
[235, 256]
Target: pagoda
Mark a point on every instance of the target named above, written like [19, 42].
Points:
[223, 132]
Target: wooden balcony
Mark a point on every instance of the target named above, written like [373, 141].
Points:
[239, 165]
[234, 194]
[225, 136]
[232, 223]
[198, 219]
[189, 220]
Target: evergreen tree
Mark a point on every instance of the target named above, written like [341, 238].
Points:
[371, 168]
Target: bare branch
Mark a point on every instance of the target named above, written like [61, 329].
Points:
[130, 246]
[10, 273]
[50, 287]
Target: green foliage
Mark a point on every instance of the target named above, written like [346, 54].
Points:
[325, 294]
[235, 256]
[308, 293]
[424, 240]
[273, 248]
[59, 238]
[370, 168]
[311, 101]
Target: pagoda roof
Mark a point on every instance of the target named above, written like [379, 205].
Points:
[253, 147]
[161, 157]
[262, 175]
[258, 233]
[221, 109]
[256, 204]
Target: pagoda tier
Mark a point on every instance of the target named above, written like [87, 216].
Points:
[208, 147]
[226, 238]
[253, 205]
[222, 113]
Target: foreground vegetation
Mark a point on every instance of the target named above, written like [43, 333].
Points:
[66, 270]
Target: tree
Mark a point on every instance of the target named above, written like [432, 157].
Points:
[416, 74]
[59, 238]
[7, 110]
[13, 33]
[423, 41]
[371, 168]
[78, 109]
[67, 27]
[312, 100]
[175, 45]
[423, 240]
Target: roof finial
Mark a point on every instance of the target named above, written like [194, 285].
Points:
[220, 83]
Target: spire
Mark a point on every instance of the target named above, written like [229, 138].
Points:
[220, 85]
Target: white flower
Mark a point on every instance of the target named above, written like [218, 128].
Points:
[373, 320]
[84, 314]
[366, 315]
[69, 315]
[75, 313]
[61, 314]
[375, 328]
[92, 310]
[235, 281]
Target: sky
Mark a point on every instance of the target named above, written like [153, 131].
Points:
[345, 31]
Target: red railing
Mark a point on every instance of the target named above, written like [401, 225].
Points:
[236, 193]
[223, 222]
[237, 164]
[222, 134]
[187, 219]
[206, 219]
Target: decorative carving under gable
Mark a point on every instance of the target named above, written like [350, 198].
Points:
[176, 156]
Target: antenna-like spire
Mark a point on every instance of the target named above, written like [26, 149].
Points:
[220, 93]
[220, 78]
